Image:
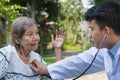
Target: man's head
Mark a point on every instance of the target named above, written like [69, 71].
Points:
[104, 19]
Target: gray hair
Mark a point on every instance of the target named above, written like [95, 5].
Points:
[18, 26]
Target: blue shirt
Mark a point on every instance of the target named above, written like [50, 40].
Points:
[108, 60]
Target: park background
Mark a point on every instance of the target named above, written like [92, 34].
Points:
[50, 15]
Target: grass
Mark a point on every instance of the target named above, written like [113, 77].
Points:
[49, 59]
[71, 48]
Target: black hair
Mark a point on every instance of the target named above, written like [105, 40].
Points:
[105, 14]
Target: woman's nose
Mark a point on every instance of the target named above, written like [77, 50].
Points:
[36, 37]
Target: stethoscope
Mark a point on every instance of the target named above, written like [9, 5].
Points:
[100, 46]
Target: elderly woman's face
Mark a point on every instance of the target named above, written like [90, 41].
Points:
[30, 39]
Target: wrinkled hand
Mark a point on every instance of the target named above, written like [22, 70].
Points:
[59, 39]
[38, 67]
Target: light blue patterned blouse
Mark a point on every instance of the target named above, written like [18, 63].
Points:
[13, 68]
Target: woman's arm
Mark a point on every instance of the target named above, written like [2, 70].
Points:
[57, 44]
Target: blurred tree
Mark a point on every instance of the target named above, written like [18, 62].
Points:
[7, 14]
[71, 15]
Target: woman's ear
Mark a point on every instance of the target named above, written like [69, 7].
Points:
[16, 39]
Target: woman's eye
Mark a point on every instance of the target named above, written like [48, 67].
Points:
[91, 29]
[37, 33]
[30, 34]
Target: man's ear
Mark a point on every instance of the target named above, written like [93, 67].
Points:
[107, 30]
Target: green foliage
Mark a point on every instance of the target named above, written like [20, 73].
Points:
[86, 45]
[8, 13]
[49, 59]
[36, 7]
[68, 47]
[78, 47]
[72, 9]
[3, 40]
[71, 15]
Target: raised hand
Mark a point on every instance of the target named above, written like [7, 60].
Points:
[57, 43]
[59, 39]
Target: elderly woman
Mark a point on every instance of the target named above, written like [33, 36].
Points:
[15, 59]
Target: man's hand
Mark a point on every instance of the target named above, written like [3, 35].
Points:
[38, 67]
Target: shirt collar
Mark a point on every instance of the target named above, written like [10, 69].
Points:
[115, 48]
